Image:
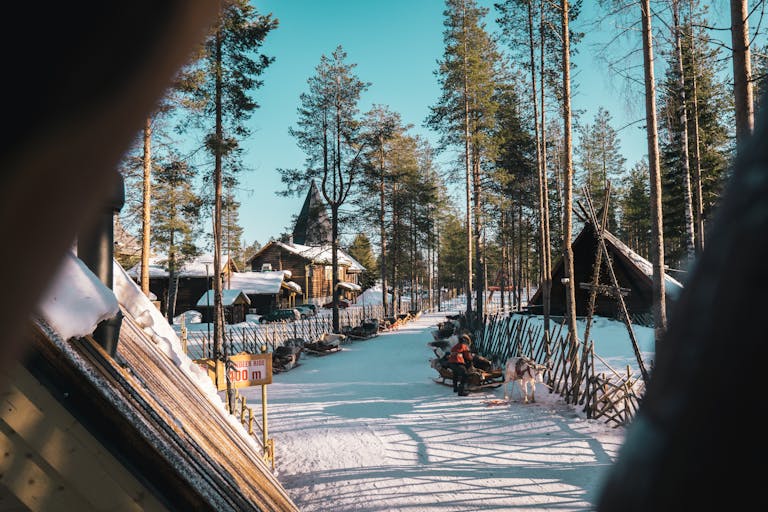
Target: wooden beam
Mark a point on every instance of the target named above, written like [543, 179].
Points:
[606, 289]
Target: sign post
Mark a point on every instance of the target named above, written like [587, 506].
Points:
[269, 446]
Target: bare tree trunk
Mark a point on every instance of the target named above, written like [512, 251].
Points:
[543, 243]
[480, 258]
[742, 72]
[657, 231]
[547, 273]
[382, 230]
[468, 169]
[394, 255]
[503, 266]
[690, 249]
[334, 204]
[438, 284]
[520, 237]
[218, 321]
[570, 297]
[335, 264]
[698, 210]
[146, 207]
[512, 258]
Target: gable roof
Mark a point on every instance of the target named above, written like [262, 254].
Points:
[201, 266]
[672, 286]
[313, 226]
[150, 406]
[632, 270]
[228, 298]
[258, 283]
[320, 255]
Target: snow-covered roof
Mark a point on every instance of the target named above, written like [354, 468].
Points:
[349, 286]
[76, 288]
[673, 286]
[322, 255]
[292, 286]
[228, 297]
[257, 283]
[201, 266]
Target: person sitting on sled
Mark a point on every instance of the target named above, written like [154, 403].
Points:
[459, 361]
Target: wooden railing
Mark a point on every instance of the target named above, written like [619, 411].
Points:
[251, 337]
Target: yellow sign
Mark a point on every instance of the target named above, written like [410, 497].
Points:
[244, 370]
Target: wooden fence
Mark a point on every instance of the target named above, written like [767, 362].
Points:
[611, 396]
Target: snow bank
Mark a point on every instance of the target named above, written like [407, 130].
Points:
[76, 288]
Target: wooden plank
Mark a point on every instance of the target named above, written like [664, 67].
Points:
[61, 453]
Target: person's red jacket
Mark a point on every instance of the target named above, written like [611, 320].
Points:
[460, 353]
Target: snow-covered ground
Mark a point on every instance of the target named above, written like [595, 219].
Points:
[367, 429]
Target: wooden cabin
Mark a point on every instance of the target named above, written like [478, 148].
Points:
[633, 272]
[307, 256]
[310, 268]
[235, 303]
[266, 290]
[192, 280]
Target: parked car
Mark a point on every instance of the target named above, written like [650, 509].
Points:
[252, 318]
[277, 315]
[307, 310]
[343, 303]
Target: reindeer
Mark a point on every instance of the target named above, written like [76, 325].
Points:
[526, 372]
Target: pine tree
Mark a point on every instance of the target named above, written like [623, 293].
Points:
[232, 232]
[651, 123]
[361, 251]
[600, 160]
[328, 130]
[218, 88]
[712, 102]
[382, 128]
[177, 211]
[634, 205]
[453, 247]
[742, 72]
[464, 113]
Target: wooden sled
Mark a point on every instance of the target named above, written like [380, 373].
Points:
[322, 352]
[283, 369]
[477, 380]
[366, 330]
[286, 357]
[328, 343]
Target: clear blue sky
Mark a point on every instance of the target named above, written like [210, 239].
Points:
[396, 44]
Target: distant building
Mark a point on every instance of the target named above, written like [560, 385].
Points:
[235, 303]
[193, 278]
[310, 268]
[633, 272]
[313, 226]
[266, 290]
[308, 255]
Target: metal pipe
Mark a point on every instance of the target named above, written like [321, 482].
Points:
[95, 247]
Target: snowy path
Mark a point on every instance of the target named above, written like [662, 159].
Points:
[367, 429]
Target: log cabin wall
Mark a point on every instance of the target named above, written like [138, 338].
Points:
[315, 285]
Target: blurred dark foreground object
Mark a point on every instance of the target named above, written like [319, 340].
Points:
[79, 79]
[699, 441]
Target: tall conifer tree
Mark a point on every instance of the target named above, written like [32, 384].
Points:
[219, 87]
[328, 131]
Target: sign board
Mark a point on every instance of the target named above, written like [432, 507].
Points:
[244, 370]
